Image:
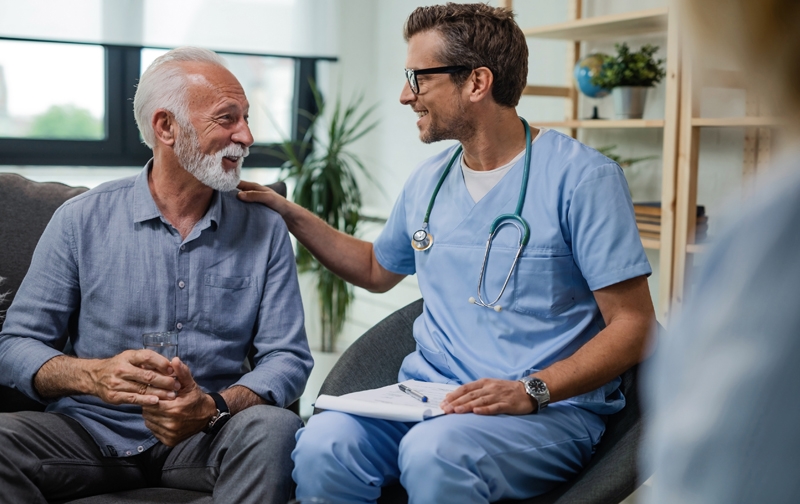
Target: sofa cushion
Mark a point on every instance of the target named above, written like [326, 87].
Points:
[26, 207]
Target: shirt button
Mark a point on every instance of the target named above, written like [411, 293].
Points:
[140, 449]
[127, 452]
[183, 247]
[179, 325]
[181, 284]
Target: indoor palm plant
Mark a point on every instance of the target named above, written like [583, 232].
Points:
[629, 75]
[324, 171]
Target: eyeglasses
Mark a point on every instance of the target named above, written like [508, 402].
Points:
[411, 74]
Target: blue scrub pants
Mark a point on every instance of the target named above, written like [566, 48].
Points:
[454, 458]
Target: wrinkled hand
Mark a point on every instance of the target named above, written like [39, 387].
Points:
[256, 193]
[133, 377]
[187, 414]
[489, 396]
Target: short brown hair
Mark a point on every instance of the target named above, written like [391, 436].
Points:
[477, 35]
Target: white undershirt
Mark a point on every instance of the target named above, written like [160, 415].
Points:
[479, 183]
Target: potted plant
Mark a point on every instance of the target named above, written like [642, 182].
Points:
[324, 172]
[629, 75]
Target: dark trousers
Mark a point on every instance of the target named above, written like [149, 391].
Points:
[50, 457]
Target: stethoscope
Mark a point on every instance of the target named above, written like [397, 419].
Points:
[422, 240]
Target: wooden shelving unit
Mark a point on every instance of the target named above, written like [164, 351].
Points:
[604, 124]
[758, 128]
[604, 27]
[619, 26]
[736, 122]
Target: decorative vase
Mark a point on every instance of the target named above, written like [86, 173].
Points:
[629, 101]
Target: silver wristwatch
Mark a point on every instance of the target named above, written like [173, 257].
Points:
[537, 389]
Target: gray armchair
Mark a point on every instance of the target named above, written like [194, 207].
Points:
[25, 209]
[375, 358]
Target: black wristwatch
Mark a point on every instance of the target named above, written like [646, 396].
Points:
[538, 390]
[221, 417]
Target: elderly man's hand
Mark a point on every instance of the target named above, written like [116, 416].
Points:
[133, 377]
[489, 396]
[256, 193]
[187, 414]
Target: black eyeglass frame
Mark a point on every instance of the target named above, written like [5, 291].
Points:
[411, 74]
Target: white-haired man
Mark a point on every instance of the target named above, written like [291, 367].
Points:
[170, 249]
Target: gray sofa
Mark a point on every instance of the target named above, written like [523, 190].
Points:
[25, 209]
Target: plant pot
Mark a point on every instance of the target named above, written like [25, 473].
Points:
[629, 101]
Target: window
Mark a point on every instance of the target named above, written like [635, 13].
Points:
[64, 103]
[50, 90]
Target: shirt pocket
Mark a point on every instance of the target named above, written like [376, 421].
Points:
[544, 286]
[229, 305]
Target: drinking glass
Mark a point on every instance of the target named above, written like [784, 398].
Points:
[164, 343]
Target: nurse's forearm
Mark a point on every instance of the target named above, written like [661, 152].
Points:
[629, 315]
[348, 257]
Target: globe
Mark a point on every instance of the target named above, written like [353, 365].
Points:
[585, 69]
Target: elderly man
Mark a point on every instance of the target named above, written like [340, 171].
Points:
[537, 350]
[169, 249]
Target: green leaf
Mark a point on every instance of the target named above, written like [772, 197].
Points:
[630, 68]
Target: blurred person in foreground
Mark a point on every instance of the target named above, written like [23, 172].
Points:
[169, 249]
[724, 387]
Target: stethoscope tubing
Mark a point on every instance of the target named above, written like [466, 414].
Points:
[422, 240]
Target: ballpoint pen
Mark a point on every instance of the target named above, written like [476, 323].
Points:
[413, 393]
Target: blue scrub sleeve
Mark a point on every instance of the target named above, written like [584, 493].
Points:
[393, 247]
[605, 241]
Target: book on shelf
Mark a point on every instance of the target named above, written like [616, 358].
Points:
[650, 235]
[653, 232]
[644, 226]
[653, 209]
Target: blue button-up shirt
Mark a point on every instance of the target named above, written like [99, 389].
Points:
[109, 268]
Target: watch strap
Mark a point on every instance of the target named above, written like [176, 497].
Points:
[221, 417]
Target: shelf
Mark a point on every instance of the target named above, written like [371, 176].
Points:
[562, 91]
[696, 248]
[650, 243]
[600, 27]
[736, 122]
[604, 123]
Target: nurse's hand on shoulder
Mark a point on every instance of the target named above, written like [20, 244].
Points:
[256, 193]
[489, 396]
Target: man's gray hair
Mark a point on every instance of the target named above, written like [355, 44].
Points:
[163, 86]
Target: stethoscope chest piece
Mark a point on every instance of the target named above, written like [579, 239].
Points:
[421, 240]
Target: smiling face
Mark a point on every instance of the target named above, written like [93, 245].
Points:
[213, 146]
[439, 105]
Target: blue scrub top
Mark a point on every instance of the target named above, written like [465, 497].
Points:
[583, 238]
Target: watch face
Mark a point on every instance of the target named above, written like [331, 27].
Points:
[538, 387]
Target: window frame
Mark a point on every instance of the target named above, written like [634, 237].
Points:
[122, 145]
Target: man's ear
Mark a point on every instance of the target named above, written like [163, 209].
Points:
[479, 84]
[165, 127]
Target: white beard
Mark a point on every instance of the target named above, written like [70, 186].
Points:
[207, 168]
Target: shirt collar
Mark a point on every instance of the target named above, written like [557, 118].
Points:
[145, 208]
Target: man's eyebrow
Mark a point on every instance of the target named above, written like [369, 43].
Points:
[229, 106]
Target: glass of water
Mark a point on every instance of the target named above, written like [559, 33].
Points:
[164, 343]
